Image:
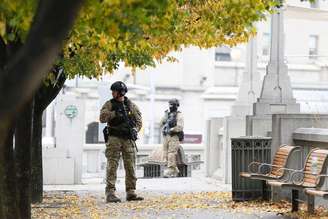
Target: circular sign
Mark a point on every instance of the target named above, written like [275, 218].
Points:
[71, 111]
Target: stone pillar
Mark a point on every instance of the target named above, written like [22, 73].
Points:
[213, 150]
[152, 108]
[250, 86]
[276, 95]
[70, 131]
[235, 125]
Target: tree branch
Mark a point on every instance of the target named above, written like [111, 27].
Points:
[47, 93]
[25, 71]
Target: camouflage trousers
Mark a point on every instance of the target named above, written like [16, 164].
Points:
[170, 150]
[116, 147]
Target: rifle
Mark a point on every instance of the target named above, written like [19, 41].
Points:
[131, 125]
[122, 117]
[170, 123]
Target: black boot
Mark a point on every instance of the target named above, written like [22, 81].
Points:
[133, 197]
[112, 198]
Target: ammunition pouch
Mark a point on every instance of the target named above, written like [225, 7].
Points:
[126, 133]
[122, 132]
[117, 120]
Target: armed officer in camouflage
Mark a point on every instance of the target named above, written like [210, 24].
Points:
[172, 129]
[124, 121]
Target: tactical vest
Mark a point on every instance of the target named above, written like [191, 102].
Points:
[167, 126]
[119, 126]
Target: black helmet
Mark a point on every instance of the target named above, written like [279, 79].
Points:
[175, 102]
[120, 87]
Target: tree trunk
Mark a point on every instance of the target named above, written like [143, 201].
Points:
[40, 50]
[1, 212]
[2, 63]
[8, 179]
[36, 156]
[44, 96]
[8, 190]
[23, 137]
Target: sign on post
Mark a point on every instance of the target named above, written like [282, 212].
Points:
[71, 111]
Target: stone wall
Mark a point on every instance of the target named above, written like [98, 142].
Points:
[283, 126]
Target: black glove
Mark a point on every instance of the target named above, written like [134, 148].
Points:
[134, 134]
[106, 133]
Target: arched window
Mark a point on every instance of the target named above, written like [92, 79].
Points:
[91, 135]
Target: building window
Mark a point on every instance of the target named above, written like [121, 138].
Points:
[223, 53]
[314, 4]
[313, 46]
[266, 44]
[91, 135]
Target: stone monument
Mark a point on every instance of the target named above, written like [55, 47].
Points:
[276, 94]
[63, 162]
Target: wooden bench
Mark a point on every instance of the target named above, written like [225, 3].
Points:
[276, 170]
[307, 178]
[312, 192]
[318, 191]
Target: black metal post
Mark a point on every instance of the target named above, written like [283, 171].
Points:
[265, 192]
[295, 196]
[310, 204]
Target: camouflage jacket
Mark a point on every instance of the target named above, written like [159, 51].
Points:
[107, 113]
[179, 125]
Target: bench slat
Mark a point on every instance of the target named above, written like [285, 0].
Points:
[280, 160]
[316, 192]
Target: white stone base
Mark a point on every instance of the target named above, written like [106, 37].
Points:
[48, 142]
[218, 174]
[58, 171]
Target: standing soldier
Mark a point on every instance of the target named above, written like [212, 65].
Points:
[172, 125]
[124, 121]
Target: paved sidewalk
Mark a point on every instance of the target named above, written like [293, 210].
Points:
[193, 197]
[165, 185]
